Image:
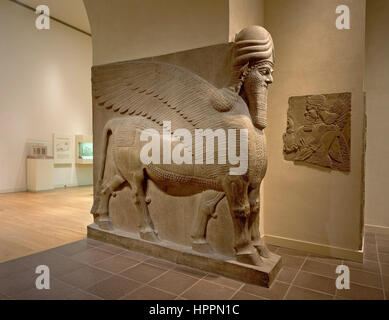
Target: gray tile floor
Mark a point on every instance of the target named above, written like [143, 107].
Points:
[90, 269]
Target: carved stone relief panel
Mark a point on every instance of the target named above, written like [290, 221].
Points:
[318, 130]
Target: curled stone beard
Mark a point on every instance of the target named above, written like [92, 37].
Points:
[257, 99]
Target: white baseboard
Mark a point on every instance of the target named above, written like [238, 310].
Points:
[376, 229]
[10, 190]
[59, 186]
[321, 249]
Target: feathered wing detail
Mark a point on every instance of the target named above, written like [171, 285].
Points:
[159, 91]
[343, 108]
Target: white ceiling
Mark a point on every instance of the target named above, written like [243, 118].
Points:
[70, 11]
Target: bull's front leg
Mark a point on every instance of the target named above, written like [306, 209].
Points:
[257, 242]
[236, 189]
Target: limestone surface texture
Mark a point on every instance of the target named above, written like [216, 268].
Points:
[318, 130]
[143, 95]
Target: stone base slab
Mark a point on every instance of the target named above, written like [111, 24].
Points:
[179, 254]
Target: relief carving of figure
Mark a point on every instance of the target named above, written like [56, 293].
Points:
[318, 130]
[144, 95]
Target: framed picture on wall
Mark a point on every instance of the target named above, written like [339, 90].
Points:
[63, 148]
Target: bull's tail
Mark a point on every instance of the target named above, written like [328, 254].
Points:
[107, 132]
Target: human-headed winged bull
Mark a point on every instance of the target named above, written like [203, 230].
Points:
[152, 93]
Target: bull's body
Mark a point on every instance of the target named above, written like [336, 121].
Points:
[122, 137]
[123, 134]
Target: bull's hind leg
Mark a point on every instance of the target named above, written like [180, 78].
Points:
[139, 190]
[101, 202]
[236, 189]
[207, 210]
[257, 242]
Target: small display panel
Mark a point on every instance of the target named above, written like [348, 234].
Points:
[85, 150]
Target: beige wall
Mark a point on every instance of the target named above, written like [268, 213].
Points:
[244, 13]
[377, 97]
[70, 11]
[125, 30]
[45, 88]
[306, 206]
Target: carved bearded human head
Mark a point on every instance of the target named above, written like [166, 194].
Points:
[253, 68]
[315, 104]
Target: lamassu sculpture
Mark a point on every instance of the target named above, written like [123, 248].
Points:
[151, 93]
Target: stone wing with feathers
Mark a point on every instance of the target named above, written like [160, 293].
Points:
[159, 92]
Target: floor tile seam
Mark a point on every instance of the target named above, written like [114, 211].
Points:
[315, 290]
[351, 282]
[190, 287]
[294, 278]
[381, 275]
[120, 276]
[95, 262]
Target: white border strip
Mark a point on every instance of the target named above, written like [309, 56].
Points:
[321, 249]
[376, 229]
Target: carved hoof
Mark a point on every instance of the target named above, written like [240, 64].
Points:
[149, 235]
[98, 209]
[201, 246]
[250, 258]
[95, 206]
[104, 222]
[262, 249]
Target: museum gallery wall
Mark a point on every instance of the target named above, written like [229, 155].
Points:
[377, 96]
[47, 91]
[309, 206]
[306, 206]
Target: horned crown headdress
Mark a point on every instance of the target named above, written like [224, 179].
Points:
[253, 45]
